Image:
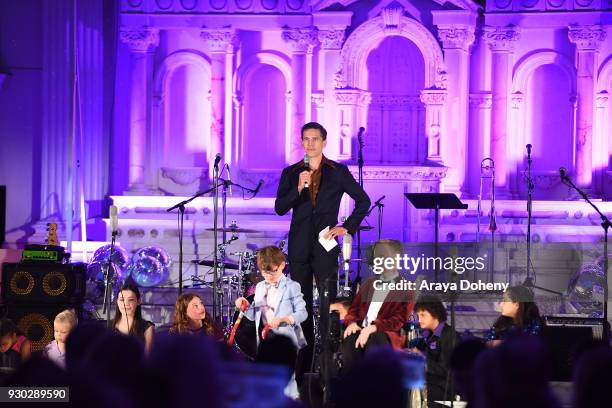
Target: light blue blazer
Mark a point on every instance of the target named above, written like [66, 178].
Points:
[289, 302]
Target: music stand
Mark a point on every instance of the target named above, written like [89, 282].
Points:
[437, 202]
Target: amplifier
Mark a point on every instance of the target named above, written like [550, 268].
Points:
[566, 336]
[43, 282]
[595, 324]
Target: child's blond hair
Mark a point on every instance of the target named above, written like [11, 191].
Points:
[67, 316]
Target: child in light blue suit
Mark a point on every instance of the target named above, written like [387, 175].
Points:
[278, 305]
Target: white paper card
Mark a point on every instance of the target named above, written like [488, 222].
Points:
[328, 244]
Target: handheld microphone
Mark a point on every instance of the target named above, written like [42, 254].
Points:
[528, 149]
[114, 221]
[217, 160]
[229, 178]
[258, 187]
[563, 173]
[347, 249]
[306, 166]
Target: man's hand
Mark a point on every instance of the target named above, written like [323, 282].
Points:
[337, 231]
[304, 178]
[352, 328]
[363, 336]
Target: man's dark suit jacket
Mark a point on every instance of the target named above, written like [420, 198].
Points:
[306, 221]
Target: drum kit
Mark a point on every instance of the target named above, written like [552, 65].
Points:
[238, 278]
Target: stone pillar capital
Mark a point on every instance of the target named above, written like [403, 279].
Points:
[432, 97]
[302, 40]
[140, 39]
[331, 39]
[587, 38]
[481, 100]
[456, 37]
[502, 39]
[220, 40]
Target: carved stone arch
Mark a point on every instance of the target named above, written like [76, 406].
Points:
[240, 82]
[367, 37]
[175, 60]
[178, 178]
[530, 63]
[604, 76]
[277, 60]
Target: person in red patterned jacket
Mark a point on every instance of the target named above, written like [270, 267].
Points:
[378, 312]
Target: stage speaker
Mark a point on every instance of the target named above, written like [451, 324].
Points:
[566, 337]
[2, 215]
[35, 321]
[43, 282]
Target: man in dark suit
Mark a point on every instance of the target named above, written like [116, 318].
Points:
[314, 192]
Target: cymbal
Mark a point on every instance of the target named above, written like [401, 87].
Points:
[227, 264]
[237, 230]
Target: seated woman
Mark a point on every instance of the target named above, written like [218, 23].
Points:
[128, 316]
[14, 347]
[376, 314]
[437, 345]
[190, 318]
[519, 314]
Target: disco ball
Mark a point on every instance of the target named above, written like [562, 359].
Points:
[586, 290]
[156, 252]
[120, 255]
[148, 271]
[96, 270]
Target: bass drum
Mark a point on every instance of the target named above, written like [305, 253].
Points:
[245, 339]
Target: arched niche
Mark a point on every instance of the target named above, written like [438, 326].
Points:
[395, 114]
[262, 113]
[181, 122]
[543, 104]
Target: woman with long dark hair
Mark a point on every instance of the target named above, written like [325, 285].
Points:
[190, 318]
[519, 315]
[128, 316]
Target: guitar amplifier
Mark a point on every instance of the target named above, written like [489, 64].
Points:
[43, 282]
[566, 336]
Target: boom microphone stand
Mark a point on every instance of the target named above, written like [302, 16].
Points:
[529, 281]
[605, 224]
[360, 177]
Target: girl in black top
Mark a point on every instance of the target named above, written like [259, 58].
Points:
[128, 316]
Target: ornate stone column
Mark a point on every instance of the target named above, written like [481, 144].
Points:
[220, 44]
[434, 101]
[352, 108]
[502, 41]
[588, 40]
[480, 137]
[142, 43]
[456, 41]
[601, 143]
[331, 40]
[302, 41]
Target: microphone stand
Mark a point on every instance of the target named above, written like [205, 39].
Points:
[181, 208]
[529, 281]
[605, 224]
[380, 206]
[109, 280]
[360, 177]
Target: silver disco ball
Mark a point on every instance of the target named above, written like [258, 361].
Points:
[148, 271]
[96, 271]
[586, 289]
[156, 252]
[120, 255]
